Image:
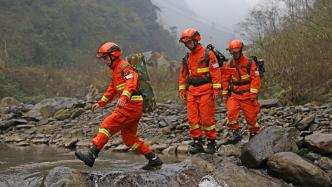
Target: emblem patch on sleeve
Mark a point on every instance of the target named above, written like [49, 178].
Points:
[257, 73]
[129, 76]
[215, 65]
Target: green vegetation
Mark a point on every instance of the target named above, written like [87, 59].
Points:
[296, 43]
[47, 47]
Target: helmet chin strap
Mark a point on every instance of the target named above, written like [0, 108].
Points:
[195, 45]
[239, 55]
[113, 59]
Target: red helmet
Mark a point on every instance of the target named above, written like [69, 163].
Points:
[190, 34]
[235, 46]
[108, 48]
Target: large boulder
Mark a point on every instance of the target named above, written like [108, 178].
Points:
[8, 103]
[291, 167]
[66, 177]
[319, 142]
[47, 107]
[306, 122]
[194, 171]
[11, 123]
[267, 103]
[265, 144]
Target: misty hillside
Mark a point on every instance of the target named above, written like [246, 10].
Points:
[215, 27]
[63, 32]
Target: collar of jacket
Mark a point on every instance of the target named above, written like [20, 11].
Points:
[238, 62]
[116, 63]
[198, 48]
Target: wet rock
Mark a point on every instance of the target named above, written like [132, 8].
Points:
[312, 156]
[14, 138]
[182, 149]
[65, 177]
[159, 147]
[76, 113]
[319, 142]
[70, 142]
[171, 150]
[11, 123]
[229, 150]
[6, 124]
[305, 133]
[234, 175]
[306, 122]
[40, 141]
[8, 105]
[314, 127]
[22, 144]
[325, 163]
[291, 167]
[56, 103]
[24, 126]
[269, 103]
[265, 144]
[62, 114]
[83, 143]
[121, 148]
[47, 111]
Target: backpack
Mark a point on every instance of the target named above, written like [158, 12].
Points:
[259, 63]
[138, 63]
[220, 58]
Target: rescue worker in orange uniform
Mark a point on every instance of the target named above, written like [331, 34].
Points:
[244, 88]
[127, 113]
[204, 85]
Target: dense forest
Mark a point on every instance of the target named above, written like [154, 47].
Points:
[47, 47]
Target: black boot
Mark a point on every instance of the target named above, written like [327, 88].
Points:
[196, 146]
[234, 138]
[211, 146]
[154, 162]
[88, 157]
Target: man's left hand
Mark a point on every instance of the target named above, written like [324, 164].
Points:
[120, 103]
[217, 98]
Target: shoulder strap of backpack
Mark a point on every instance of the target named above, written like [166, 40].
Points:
[249, 65]
[207, 57]
[123, 66]
[231, 63]
[185, 62]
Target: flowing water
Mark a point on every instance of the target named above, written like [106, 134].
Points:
[27, 166]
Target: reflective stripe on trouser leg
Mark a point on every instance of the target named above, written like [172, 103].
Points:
[250, 109]
[195, 130]
[210, 131]
[130, 138]
[253, 129]
[207, 111]
[233, 111]
[193, 116]
[102, 138]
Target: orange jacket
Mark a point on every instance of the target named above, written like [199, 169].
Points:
[125, 85]
[253, 79]
[197, 68]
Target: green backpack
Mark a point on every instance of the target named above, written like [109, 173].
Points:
[137, 61]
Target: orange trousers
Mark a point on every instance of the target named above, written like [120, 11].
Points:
[200, 111]
[250, 109]
[125, 120]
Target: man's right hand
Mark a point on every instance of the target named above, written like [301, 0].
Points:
[95, 106]
[225, 98]
[183, 97]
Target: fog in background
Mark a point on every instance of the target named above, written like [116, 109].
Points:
[215, 19]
